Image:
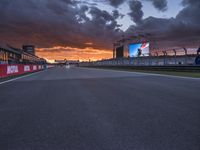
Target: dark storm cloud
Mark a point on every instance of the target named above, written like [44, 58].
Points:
[182, 30]
[136, 13]
[117, 15]
[36, 21]
[49, 23]
[190, 14]
[102, 26]
[116, 3]
[159, 4]
[135, 6]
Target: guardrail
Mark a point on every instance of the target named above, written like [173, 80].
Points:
[13, 70]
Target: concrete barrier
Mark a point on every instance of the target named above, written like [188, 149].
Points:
[146, 61]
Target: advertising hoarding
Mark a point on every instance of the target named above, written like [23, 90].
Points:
[139, 49]
[12, 70]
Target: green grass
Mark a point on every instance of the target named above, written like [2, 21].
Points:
[173, 73]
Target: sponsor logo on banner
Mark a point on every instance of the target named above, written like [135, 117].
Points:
[12, 69]
[27, 68]
[34, 68]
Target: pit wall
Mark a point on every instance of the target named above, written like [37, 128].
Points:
[13, 70]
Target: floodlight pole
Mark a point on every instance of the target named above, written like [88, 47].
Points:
[185, 50]
[156, 54]
[186, 53]
[165, 54]
[175, 55]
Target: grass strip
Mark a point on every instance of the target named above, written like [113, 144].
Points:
[173, 73]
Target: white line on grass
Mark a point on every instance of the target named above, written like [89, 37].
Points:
[147, 74]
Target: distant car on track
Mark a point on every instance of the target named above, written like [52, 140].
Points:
[67, 66]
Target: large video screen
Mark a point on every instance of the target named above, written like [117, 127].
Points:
[139, 49]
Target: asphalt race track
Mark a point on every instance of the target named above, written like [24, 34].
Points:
[91, 109]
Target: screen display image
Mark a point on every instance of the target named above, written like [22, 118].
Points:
[139, 49]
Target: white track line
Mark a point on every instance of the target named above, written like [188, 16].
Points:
[173, 76]
[24, 76]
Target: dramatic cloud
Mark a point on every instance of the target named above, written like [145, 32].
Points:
[77, 24]
[136, 11]
[183, 30]
[49, 23]
[117, 15]
[116, 3]
[159, 4]
[135, 6]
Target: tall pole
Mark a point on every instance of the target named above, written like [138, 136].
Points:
[186, 52]
[175, 55]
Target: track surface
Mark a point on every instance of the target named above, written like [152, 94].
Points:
[90, 109]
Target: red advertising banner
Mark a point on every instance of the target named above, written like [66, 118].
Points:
[12, 70]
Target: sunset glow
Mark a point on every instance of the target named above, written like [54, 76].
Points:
[72, 53]
[86, 30]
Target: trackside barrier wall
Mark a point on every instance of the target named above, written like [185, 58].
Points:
[146, 61]
[49, 66]
[12, 70]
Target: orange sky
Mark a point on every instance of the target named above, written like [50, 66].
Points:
[71, 53]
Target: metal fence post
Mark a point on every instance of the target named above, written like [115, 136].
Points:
[185, 55]
[175, 56]
[164, 61]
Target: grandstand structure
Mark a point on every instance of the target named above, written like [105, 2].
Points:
[12, 55]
